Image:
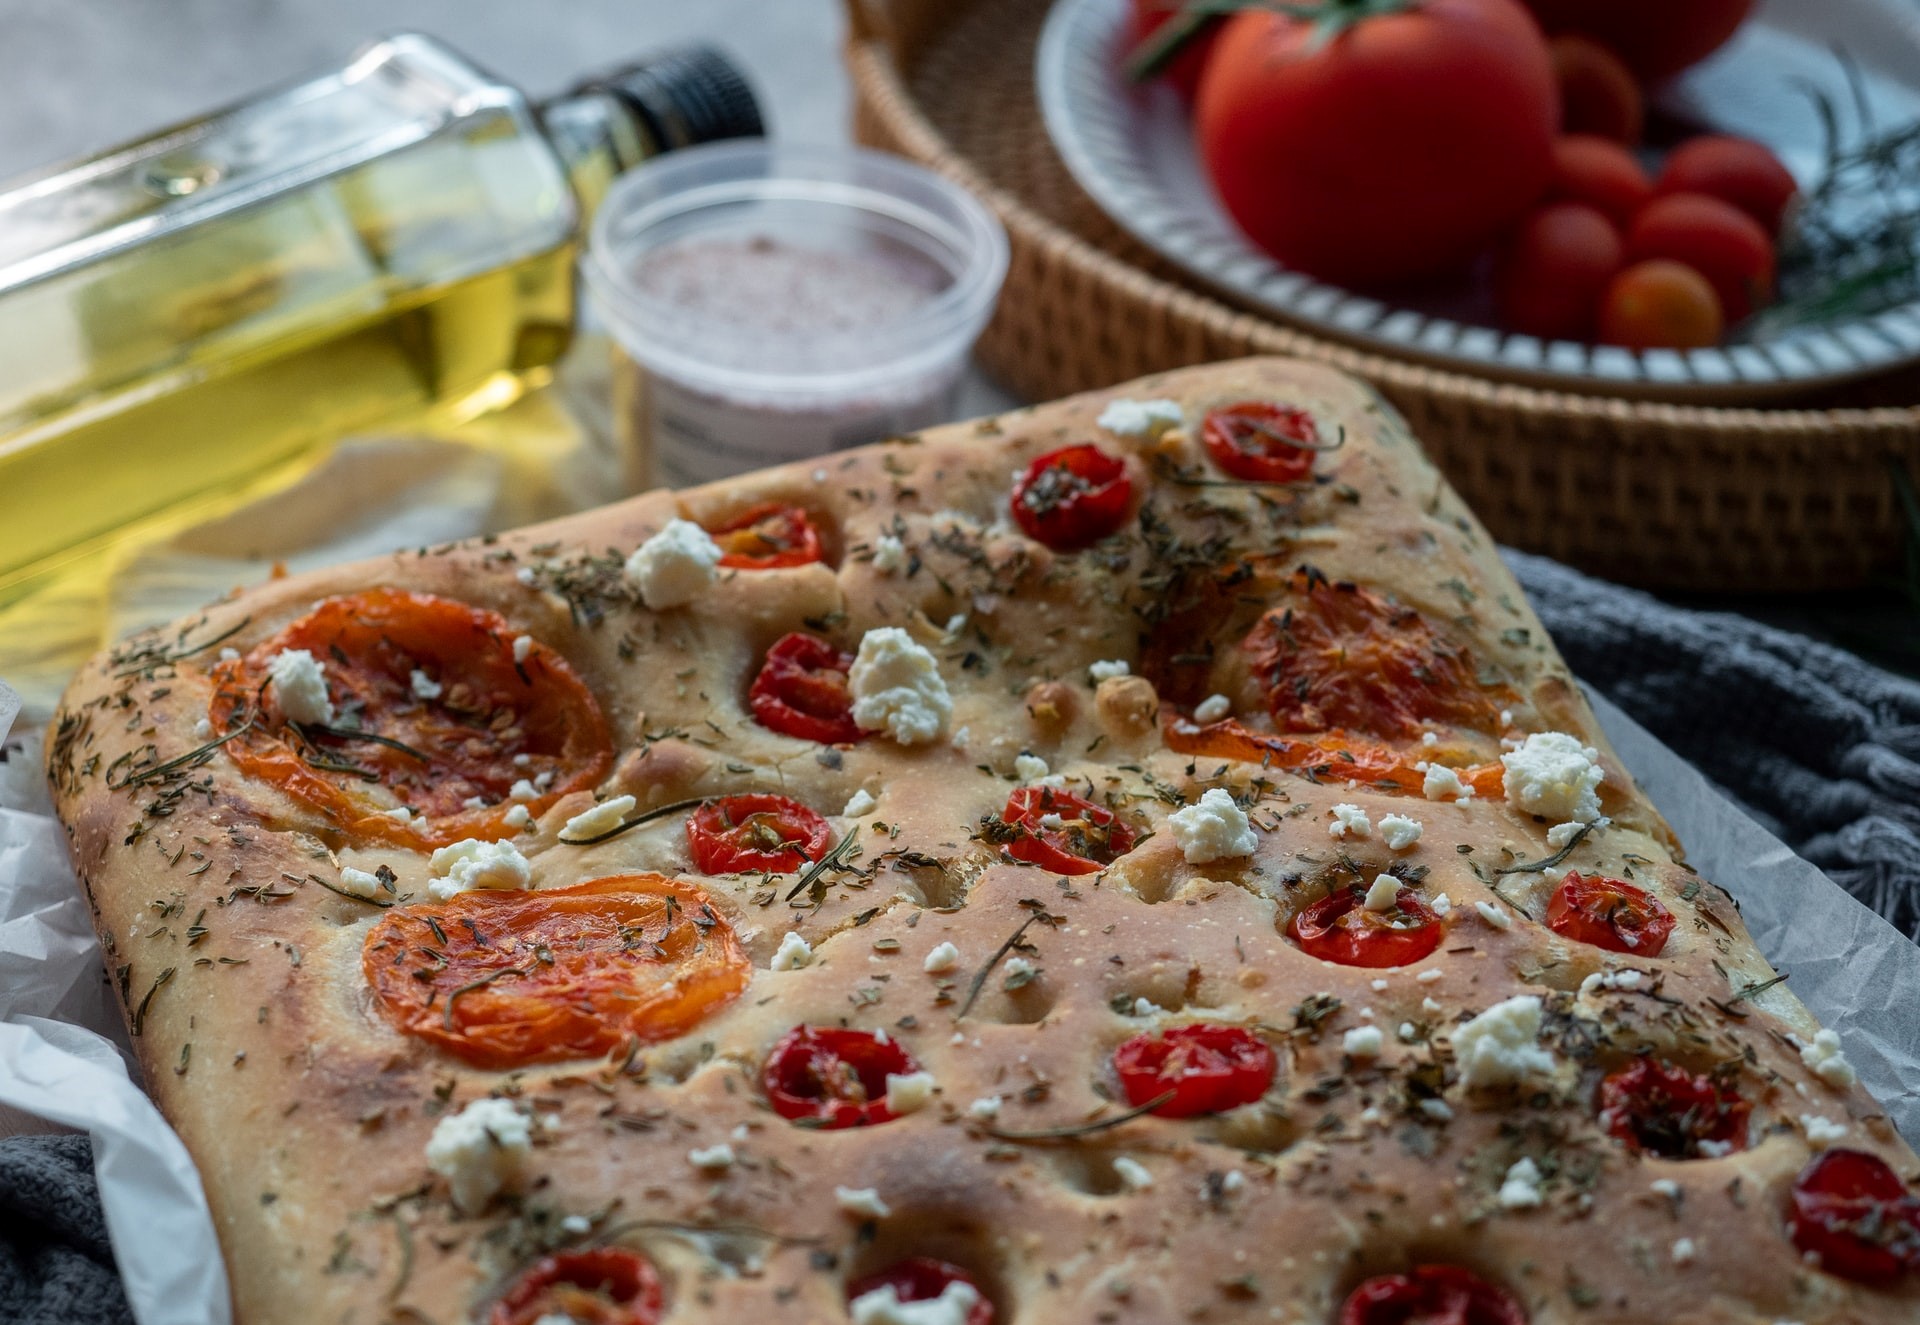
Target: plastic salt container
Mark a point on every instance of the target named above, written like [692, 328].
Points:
[773, 302]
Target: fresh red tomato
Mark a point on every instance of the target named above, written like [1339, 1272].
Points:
[597, 1286]
[1338, 929]
[1610, 914]
[1209, 1069]
[768, 537]
[760, 831]
[1659, 1109]
[1602, 174]
[923, 1279]
[1716, 239]
[1851, 1210]
[1554, 270]
[1072, 497]
[1088, 837]
[1734, 170]
[1183, 71]
[1656, 38]
[832, 1077]
[1660, 305]
[1598, 94]
[802, 691]
[1394, 148]
[1262, 443]
[1430, 1295]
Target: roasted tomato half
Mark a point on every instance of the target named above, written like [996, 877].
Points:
[1209, 1069]
[507, 979]
[1339, 928]
[768, 537]
[595, 1286]
[1851, 1210]
[1063, 832]
[1610, 914]
[832, 1077]
[1656, 1108]
[443, 707]
[802, 690]
[922, 1279]
[1431, 1295]
[1261, 442]
[1072, 497]
[735, 834]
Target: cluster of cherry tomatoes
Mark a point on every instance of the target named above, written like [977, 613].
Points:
[1379, 145]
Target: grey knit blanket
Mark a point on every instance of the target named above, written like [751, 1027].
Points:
[1816, 744]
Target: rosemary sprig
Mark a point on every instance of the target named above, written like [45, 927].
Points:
[192, 758]
[980, 979]
[358, 734]
[1083, 1129]
[370, 901]
[1535, 866]
[165, 659]
[446, 1012]
[634, 822]
[822, 865]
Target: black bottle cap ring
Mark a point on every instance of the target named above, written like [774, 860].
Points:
[683, 97]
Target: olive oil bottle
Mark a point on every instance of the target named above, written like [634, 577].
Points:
[187, 318]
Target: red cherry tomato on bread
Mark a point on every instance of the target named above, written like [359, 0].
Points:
[1598, 93]
[1610, 914]
[1735, 170]
[768, 537]
[802, 691]
[1659, 1109]
[1086, 837]
[923, 1279]
[1209, 1069]
[1851, 1210]
[735, 834]
[1660, 305]
[1339, 929]
[594, 1286]
[1430, 1295]
[1072, 497]
[1554, 270]
[1716, 239]
[833, 1077]
[1261, 442]
[1601, 174]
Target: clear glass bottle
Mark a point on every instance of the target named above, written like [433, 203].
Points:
[184, 315]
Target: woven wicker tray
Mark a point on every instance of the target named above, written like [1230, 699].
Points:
[1667, 496]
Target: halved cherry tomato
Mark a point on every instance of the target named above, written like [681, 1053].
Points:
[768, 537]
[504, 980]
[1735, 170]
[1601, 174]
[1335, 655]
[1610, 914]
[1261, 442]
[1713, 237]
[1209, 1069]
[1598, 93]
[1338, 929]
[596, 1286]
[1554, 269]
[1851, 1210]
[832, 1077]
[802, 691]
[1660, 305]
[1072, 497]
[494, 721]
[1089, 837]
[1430, 1295]
[760, 831]
[922, 1279]
[1659, 1109]
[1332, 756]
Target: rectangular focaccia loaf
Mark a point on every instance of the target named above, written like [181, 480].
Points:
[1171, 879]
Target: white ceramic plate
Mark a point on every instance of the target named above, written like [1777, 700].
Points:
[1130, 148]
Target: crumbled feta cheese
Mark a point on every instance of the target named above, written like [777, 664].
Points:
[517, 816]
[1441, 905]
[523, 790]
[883, 1306]
[943, 957]
[1052, 822]
[481, 1151]
[1824, 1059]
[363, 885]
[474, 803]
[1212, 709]
[400, 812]
[525, 576]
[1438, 1110]
[602, 818]
[1029, 767]
[300, 684]
[1431, 1007]
[909, 1092]
[424, 686]
[897, 687]
[1494, 914]
[1349, 821]
[716, 1157]
[1666, 1187]
[1431, 974]
[1380, 984]
[1599, 980]
[1363, 1042]
[1383, 893]
[522, 648]
[1213, 829]
[1500, 1047]
[466, 866]
[1822, 1131]
[1146, 1007]
[229, 654]
[202, 729]
[889, 555]
[987, 1106]
[860, 803]
[1233, 1180]
[1399, 832]
[1141, 418]
[1429, 739]
[1019, 968]
[1133, 1175]
[861, 1202]
[1520, 1189]
[1106, 671]
[1442, 784]
[1684, 1251]
[1561, 834]
[675, 566]
[575, 1225]
[1408, 1032]
[1553, 775]
[1714, 1149]
[794, 953]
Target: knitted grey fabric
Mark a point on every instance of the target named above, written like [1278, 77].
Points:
[55, 1265]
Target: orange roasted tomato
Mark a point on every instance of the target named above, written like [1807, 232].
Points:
[768, 537]
[1333, 756]
[504, 980]
[594, 1286]
[432, 704]
[1334, 655]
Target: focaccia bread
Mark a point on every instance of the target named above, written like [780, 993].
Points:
[1168, 879]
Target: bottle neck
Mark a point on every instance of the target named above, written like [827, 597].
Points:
[597, 136]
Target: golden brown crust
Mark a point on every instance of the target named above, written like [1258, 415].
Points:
[308, 1114]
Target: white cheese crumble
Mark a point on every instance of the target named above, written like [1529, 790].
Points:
[1399, 832]
[517, 816]
[1684, 1251]
[987, 1106]
[1212, 709]
[300, 684]
[1108, 670]
[1500, 1047]
[474, 803]
[522, 648]
[1146, 1007]
[897, 687]
[1441, 905]
[424, 686]
[1520, 1189]
[883, 1306]
[714, 1157]
[1442, 784]
[1666, 1187]
[1824, 1059]
[1561, 834]
[523, 790]
[400, 812]
[1214, 828]
[1822, 1131]
[794, 953]
[675, 566]
[1494, 914]
[481, 1151]
[861, 1202]
[858, 804]
[363, 885]
[1141, 418]
[466, 866]
[943, 957]
[1628, 980]
[889, 555]
[1363, 1042]
[602, 818]
[1349, 821]
[1438, 1110]
[1430, 975]
[1715, 1149]
[202, 729]
[1029, 767]
[909, 1092]
[1134, 1175]
[1019, 968]
[1382, 894]
[1553, 775]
